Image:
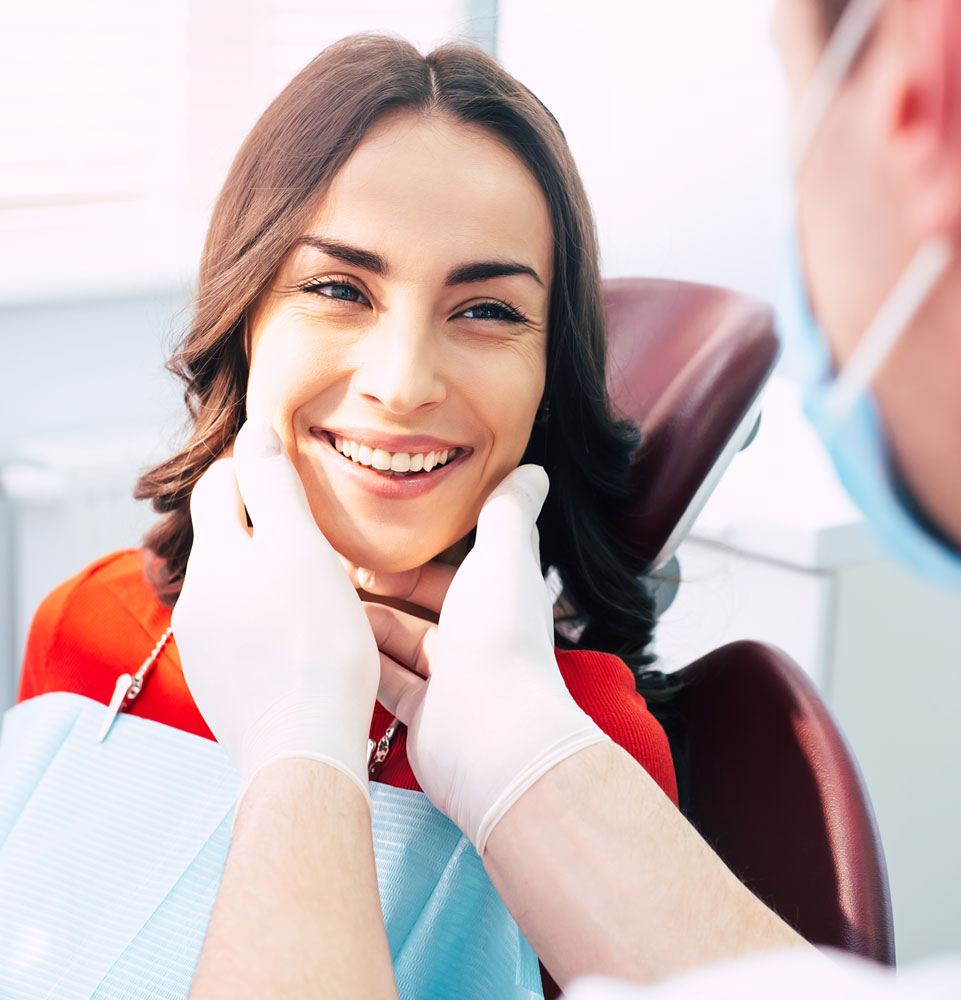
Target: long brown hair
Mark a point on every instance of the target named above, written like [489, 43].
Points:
[282, 170]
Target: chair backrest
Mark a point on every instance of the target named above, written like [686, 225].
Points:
[770, 782]
[775, 790]
[687, 363]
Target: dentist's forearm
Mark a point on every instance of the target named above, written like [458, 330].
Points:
[604, 875]
[298, 909]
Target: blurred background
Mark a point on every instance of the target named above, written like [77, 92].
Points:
[119, 121]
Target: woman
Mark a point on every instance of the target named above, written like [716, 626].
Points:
[401, 278]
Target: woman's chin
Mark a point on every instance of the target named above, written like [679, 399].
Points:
[387, 558]
[382, 560]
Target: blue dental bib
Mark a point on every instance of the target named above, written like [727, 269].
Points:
[111, 855]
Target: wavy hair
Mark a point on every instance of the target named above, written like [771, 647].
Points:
[283, 168]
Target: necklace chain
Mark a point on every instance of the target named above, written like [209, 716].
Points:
[377, 753]
[140, 677]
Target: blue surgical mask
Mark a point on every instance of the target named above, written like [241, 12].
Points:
[842, 408]
[854, 438]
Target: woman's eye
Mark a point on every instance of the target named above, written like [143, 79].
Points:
[495, 311]
[341, 290]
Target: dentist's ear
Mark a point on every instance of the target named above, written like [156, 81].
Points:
[926, 121]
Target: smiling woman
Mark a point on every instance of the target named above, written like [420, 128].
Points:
[403, 256]
[402, 383]
[401, 278]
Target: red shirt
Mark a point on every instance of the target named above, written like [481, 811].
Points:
[104, 622]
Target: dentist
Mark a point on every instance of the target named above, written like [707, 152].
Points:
[876, 88]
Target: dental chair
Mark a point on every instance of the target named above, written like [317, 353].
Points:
[770, 781]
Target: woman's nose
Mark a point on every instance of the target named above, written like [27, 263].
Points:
[399, 365]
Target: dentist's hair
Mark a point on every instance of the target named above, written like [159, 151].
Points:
[829, 13]
[280, 174]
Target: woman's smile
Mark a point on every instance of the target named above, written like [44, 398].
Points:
[389, 466]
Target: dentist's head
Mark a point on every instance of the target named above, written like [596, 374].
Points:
[876, 88]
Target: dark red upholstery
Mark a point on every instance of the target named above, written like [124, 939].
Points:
[685, 362]
[770, 782]
[775, 790]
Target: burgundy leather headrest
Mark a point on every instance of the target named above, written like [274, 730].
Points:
[686, 362]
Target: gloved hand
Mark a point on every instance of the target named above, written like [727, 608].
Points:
[276, 648]
[487, 710]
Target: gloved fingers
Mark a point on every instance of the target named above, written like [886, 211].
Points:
[350, 568]
[401, 691]
[269, 483]
[217, 509]
[510, 513]
[546, 605]
[404, 637]
[426, 586]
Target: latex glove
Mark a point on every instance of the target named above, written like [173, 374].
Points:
[487, 710]
[276, 648]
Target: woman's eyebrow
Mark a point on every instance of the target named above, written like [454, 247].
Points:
[354, 256]
[483, 269]
[464, 274]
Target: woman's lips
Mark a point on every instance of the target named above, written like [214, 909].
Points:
[385, 484]
[392, 443]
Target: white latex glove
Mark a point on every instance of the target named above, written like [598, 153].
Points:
[487, 710]
[276, 648]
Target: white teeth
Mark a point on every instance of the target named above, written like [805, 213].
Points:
[384, 461]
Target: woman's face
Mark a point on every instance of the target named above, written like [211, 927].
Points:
[409, 330]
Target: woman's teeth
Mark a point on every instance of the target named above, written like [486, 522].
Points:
[400, 462]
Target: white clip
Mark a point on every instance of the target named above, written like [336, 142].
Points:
[123, 685]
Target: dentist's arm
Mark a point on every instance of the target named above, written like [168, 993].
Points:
[600, 870]
[279, 657]
[298, 913]
[603, 874]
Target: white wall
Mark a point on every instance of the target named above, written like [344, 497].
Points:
[81, 366]
[675, 114]
[78, 376]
